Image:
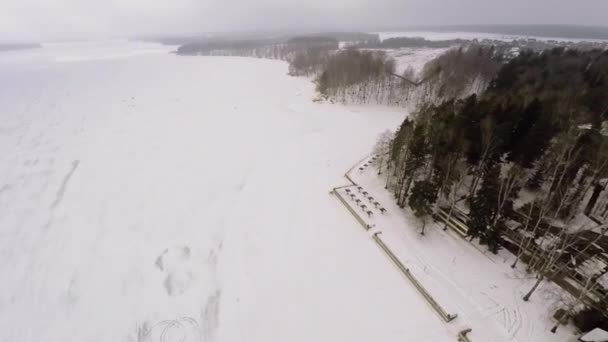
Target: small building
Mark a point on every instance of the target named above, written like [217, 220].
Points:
[595, 335]
[597, 207]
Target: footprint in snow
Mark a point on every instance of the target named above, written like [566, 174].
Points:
[176, 264]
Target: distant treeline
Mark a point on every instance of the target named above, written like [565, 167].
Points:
[549, 31]
[411, 42]
[351, 37]
[306, 54]
[10, 47]
[514, 45]
[232, 47]
[555, 31]
[282, 46]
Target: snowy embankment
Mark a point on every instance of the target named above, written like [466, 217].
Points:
[145, 194]
[461, 276]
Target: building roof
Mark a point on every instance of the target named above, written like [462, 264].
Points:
[592, 266]
[595, 335]
[603, 280]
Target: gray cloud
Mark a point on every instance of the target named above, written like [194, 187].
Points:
[41, 20]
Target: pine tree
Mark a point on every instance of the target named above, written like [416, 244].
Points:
[417, 153]
[483, 205]
[422, 199]
[536, 181]
[400, 139]
[493, 237]
[518, 144]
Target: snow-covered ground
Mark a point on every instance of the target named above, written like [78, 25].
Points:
[415, 58]
[463, 277]
[147, 197]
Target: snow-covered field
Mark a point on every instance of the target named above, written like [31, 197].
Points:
[147, 197]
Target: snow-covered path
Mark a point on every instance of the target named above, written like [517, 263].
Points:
[143, 193]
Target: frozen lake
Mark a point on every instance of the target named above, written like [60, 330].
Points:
[143, 193]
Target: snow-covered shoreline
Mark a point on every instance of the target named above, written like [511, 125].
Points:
[484, 291]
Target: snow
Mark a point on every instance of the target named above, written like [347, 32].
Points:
[66, 52]
[512, 225]
[595, 335]
[582, 223]
[464, 277]
[146, 196]
[585, 126]
[416, 58]
[593, 266]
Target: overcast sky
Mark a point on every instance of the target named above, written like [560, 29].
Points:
[41, 20]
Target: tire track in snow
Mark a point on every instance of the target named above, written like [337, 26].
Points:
[437, 279]
[211, 309]
[64, 184]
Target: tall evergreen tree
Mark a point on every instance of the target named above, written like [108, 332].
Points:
[417, 152]
[493, 237]
[422, 199]
[536, 181]
[400, 139]
[483, 205]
